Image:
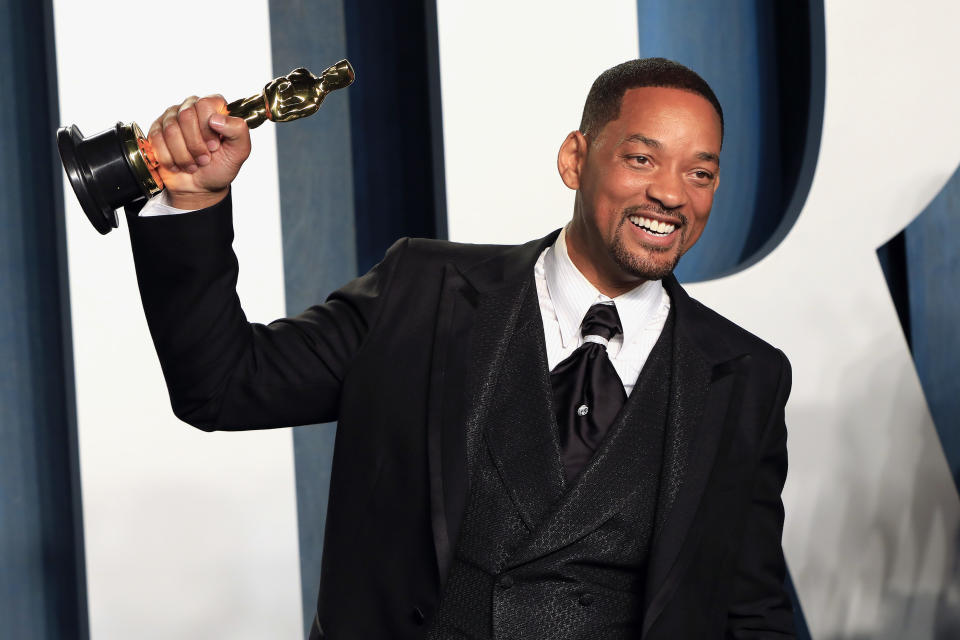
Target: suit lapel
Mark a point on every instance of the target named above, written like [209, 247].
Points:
[518, 420]
[477, 317]
[705, 383]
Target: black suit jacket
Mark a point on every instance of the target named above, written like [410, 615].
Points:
[405, 358]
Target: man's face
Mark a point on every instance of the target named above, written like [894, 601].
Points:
[645, 185]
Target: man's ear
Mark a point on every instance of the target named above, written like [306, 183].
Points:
[570, 160]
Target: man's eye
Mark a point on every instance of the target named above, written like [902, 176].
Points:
[703, 175]
[641, 160]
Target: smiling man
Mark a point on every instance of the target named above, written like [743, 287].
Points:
[550, 440]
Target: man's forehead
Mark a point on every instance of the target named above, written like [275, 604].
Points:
[650, 115]
[652, 100]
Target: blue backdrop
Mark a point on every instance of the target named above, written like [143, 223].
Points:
[42, 583]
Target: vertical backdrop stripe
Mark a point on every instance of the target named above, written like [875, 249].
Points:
[366, 170]
[187, 534]
[317, 221]
[42, 584]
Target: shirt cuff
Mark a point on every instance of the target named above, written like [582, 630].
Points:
[158, 206]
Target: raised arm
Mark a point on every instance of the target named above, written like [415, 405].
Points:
[221, 371]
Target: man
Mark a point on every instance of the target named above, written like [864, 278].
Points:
[541, 441]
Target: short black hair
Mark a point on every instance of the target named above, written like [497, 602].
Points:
[606, 94]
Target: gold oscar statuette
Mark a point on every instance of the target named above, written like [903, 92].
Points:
[116, 167]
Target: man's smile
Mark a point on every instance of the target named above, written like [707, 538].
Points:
[659, 233]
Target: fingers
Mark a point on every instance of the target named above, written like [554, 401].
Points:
[206, 107]
[176, 145]
[169, 144]
[182, 138]
[159, 143]
[193, 142]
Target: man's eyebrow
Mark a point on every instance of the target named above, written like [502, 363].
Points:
[642, 139]
[706, 156]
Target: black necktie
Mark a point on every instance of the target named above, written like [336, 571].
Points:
[587, 392]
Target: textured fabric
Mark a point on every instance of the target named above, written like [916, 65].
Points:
[587, 392]
[532, 560]
[564, 295]
[430, 331]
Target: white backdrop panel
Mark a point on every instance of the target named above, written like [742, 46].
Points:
[872, 512]
[513, 78]
[188, 535]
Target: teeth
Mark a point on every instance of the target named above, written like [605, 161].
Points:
[653, 226]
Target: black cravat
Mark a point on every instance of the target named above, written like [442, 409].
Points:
[587, 392]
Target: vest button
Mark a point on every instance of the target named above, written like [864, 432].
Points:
[418, 616]
[505, 582]
[586, 599]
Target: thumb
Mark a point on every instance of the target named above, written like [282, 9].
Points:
[232, 130]
[234, 137]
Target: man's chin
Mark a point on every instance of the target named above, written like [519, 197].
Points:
[648, 264]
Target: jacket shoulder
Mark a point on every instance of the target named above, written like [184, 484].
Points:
[462, 254]
[711, 326]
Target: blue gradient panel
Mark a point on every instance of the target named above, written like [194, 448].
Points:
[395, 115]
[922, 268]
[366, 170]
[42, 582]
[317, 221]
[765, 62]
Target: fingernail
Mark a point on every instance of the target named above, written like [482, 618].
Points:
[203, 160]
[174, 169]
[218, 120]
[213, 145]
[192, 168]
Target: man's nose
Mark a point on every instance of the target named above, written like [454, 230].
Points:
[668, 189]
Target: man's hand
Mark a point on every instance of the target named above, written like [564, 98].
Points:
[200, 150]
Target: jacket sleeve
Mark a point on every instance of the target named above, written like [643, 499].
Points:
[760, 606]
[221, 371]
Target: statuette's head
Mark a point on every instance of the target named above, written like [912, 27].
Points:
[337, 76]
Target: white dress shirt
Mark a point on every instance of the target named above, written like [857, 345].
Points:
[565, 295]
[159, 206]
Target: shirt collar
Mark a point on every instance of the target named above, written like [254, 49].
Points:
[572, 295]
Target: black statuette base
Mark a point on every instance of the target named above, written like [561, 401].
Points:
[99, 173]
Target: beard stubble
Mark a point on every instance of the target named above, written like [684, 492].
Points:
[643, 266]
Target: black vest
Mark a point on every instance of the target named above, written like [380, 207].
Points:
[536, 558]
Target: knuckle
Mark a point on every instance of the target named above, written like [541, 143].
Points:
[212, 101]
[187, 115]
[187, 103]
